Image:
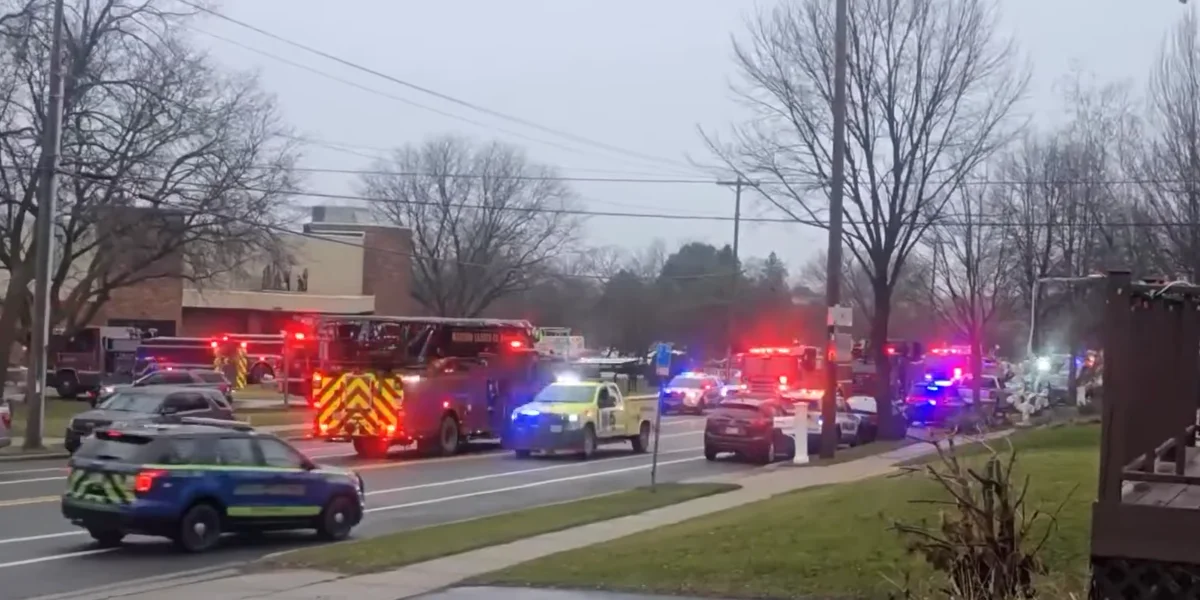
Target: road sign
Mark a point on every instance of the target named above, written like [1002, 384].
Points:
[840, 316]
[843, 347]
[662, 360]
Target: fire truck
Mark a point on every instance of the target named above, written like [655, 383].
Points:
[82, 363]
[380, 382]
[264, 353]
[794, 371]
[169, 352]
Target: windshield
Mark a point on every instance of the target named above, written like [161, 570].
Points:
[133, 402]
[688, 382]
[735, 405]
[566, 393]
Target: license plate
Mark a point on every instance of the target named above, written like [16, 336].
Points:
[556, 429]
[732, 430]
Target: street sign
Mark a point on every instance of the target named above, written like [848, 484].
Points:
[662, 360]
[840, 316]
[843, 347]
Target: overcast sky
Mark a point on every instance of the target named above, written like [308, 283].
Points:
[640, 75]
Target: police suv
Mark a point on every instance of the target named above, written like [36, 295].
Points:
[195, 480]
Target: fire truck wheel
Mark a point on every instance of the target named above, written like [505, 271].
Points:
[370, 447]
[67, 385]
[448, 436]
[589, 442]
[641, 441]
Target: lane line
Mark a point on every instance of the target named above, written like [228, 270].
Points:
[27, 471]
[42, 559]
[46, 536]
[526, 486]
[380, 466]
[522, 472]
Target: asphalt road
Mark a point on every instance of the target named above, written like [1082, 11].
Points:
[41, 554]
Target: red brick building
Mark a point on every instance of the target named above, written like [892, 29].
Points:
[338, 264]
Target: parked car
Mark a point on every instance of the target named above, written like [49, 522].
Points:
[5, 424]
[148, 404]
[201, 378]
[691, 392]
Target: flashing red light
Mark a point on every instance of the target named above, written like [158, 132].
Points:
[224, 338]
[243, 345]
[213, 343]
[299, 335]
[958, 373]
[516, 344]
[891, 350]
[113, 434]
[783, 379]
[770, 351]
[445, 404]
[144, 481]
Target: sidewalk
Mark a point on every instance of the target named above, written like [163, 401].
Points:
[424, 578]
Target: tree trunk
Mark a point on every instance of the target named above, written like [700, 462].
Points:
[890, 426]
[10, 316]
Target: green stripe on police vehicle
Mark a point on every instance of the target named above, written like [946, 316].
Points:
[273, 511]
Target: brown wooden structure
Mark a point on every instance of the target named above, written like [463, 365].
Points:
[1146, 519]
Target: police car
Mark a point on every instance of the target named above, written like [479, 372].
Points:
[193, 481]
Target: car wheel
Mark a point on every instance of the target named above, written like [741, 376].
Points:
[641, 441]
[107, 538]
[337, 519]
[68, 386]
[199, 530]
[768, 455]
[522, 453]
[589, 442]
[710, 454]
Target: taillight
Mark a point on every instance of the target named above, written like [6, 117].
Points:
[783, 380]
[145, 481]
[316, 381]
[6, 418]
[761, 422]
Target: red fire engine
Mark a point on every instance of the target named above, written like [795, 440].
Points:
[387, 381]
[791, 371]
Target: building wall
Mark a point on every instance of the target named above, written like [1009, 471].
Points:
[387, 270]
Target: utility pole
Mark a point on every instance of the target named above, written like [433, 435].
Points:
[833, 269]
[737, 186]
[35, 382]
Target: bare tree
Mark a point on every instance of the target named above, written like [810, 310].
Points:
[969, 271]
[169, 167]
[484, 219]
[930, 86]
[1172, 170]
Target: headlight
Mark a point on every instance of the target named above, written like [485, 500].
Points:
[573, 418]
[108, 389]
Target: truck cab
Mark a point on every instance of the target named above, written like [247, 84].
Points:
[572, 415]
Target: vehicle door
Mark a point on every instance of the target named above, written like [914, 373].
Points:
[299, 493]
[783, 429]
[626, 418]
[608, 408]
[242, 481]
[186, 404]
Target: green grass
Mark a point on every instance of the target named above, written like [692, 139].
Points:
[829, 542]
[418, 545]
[58, 414]
[270, 417]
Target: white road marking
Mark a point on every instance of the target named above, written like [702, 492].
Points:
[27, 471]
[525, 486]
[42, 559]
[520, 472]
[35, 480]
[48, 536]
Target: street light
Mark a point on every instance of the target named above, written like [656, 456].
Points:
[1033, 295]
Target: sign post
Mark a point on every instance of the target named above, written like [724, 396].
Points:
[800, 426]
[662, 368]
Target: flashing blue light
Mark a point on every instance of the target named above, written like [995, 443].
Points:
[932, 388]
[933, 402]
[943, 382]
[928, 377]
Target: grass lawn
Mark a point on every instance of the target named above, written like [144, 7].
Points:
[828, 542]
[58, 414]
[418, 545]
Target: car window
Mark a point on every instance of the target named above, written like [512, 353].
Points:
[186, 401]
[613, 391]
[181, 451]
[211, 377]
[123, 448]
[133, 401]
[165, 378]
[236, 452]
[278, 454]
[218, 399]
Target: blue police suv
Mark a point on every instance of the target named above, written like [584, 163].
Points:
[194, 480]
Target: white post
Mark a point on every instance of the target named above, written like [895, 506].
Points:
[801, 428]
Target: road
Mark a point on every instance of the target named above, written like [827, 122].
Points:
[41, 554]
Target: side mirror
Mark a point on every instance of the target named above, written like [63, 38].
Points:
[308, 465]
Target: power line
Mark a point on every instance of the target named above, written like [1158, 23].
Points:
[999, 220]
[435, 93]
[342, 147]
[412, 255]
